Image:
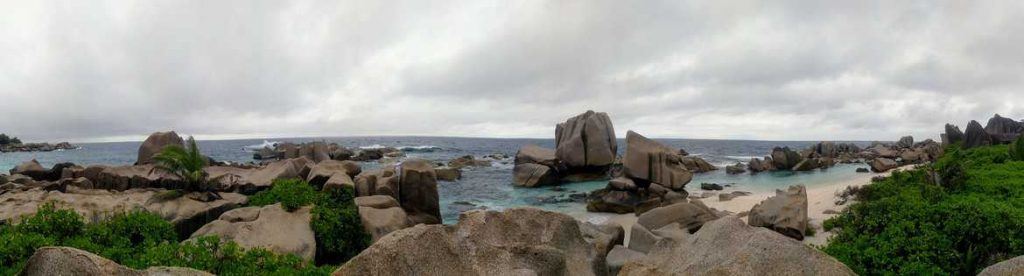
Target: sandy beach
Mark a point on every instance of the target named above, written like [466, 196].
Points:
[820, 197]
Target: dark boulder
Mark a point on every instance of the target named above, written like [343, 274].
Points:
[155, 143]
[976, 136]
[953, 135]
[905, 142]
[1003, 130]
[785, 158]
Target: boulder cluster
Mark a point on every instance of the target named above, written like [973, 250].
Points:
[585, 149]
[29, 147]
[321, 151]
[652, 175]
[687, 239]
[823, 155]
[998, 130]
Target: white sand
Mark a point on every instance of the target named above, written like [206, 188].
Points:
[820, 197]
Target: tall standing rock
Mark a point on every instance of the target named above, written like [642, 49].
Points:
[155, 143]
[653, 162]
[953, 135]
[587, 140]
[786, 212]
[976, 136]
[1003, 130]
[413, 183]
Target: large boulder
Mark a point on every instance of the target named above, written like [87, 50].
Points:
[1011, 267]
[976, 136]
[252, 180]
[697, 164]
[905, 142]
[468, 161]
[269, 227]
[518, 241]
[1003, 130]
[534, 175]
[536, 155]
[316, 151]
[784, 158]
[50, 260]
[30, 168]
[883, 164]
[381, 215]
[323, 171]
[689, 215]
[184, 213]
[413, 183]
[586, 140]
[727, 246]
[786, 212]
[758, 165]
[652, 162]
[155, 143]
[129, 177]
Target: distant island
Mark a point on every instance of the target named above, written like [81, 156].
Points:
[13, 144]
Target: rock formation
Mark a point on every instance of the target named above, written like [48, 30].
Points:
[975, 136]
[155, 143]
[269, 227]
[381, 215]
[653, 175]
[518, 241]
[1003, 130]
[586, 141]
[952, 135]
[412, 183]
[536, 166]
[786, 212]
[50, 260]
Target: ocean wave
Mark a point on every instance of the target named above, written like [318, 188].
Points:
[424, 148]
[265, 144]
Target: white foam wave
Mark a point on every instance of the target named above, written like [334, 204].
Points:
[265, 144]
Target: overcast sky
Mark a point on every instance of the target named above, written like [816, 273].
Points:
[797, 70]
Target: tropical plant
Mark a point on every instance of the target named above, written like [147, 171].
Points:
[185, 162]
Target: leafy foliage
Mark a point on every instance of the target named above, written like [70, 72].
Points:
[185, 162]
[972, 216]
[138, 239]
[1016, 150]
[336, 224]
[5, 140]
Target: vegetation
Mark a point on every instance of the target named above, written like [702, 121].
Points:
[185, 162]
[5, 140]
[138, 240]
[1017, 149]
[336, 224]
[958, 216]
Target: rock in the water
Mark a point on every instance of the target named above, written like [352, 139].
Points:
[863, 170]
[883, 164]
[711, 186]
[448, 173]
[519, 241]
[651, 161]
[50, 260]
[468, 161]
[697, 164]
[269, 227]
[155, 143]
[976, 136]
[534, 175]
[738, 168]
[806, 165]
[786, 212]
[1011, 267]
[586, 140]
[757, 165]
[381, 215]
[785, 158]
[727, 246]
[30, 168]
[1003, 130]
[905, 142]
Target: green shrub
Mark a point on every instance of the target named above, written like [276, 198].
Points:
[227, 258]
[291, 193]
[1016, 150]
[49, 221]
[908, 225]
[335, 222]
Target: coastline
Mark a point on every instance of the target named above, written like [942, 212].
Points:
[820, 197]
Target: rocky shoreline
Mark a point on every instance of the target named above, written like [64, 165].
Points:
[36, 147]
[675, 232]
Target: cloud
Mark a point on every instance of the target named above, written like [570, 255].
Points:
[791, 70]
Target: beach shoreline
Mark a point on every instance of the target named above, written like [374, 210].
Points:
[820, 197]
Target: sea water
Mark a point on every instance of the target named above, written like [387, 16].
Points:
[483, 187]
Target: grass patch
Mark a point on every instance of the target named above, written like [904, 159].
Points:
[957, 216]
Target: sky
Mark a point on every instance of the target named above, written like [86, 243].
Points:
[786, 70]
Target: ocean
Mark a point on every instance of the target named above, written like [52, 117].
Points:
[484, 187]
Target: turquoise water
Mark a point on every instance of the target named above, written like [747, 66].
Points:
[484, 187]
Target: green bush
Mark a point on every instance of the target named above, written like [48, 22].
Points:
[908, 225]
[291, 193]
[1016, 150]
[335, 222]
[138, 239]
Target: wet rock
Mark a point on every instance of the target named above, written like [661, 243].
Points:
[738, 168]
[863, 170]
[711, 187]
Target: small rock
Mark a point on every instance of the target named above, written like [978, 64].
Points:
[711, 187]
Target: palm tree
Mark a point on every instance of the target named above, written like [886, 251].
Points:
[187, 163]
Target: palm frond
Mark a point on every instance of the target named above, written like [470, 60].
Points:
[186, 163]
